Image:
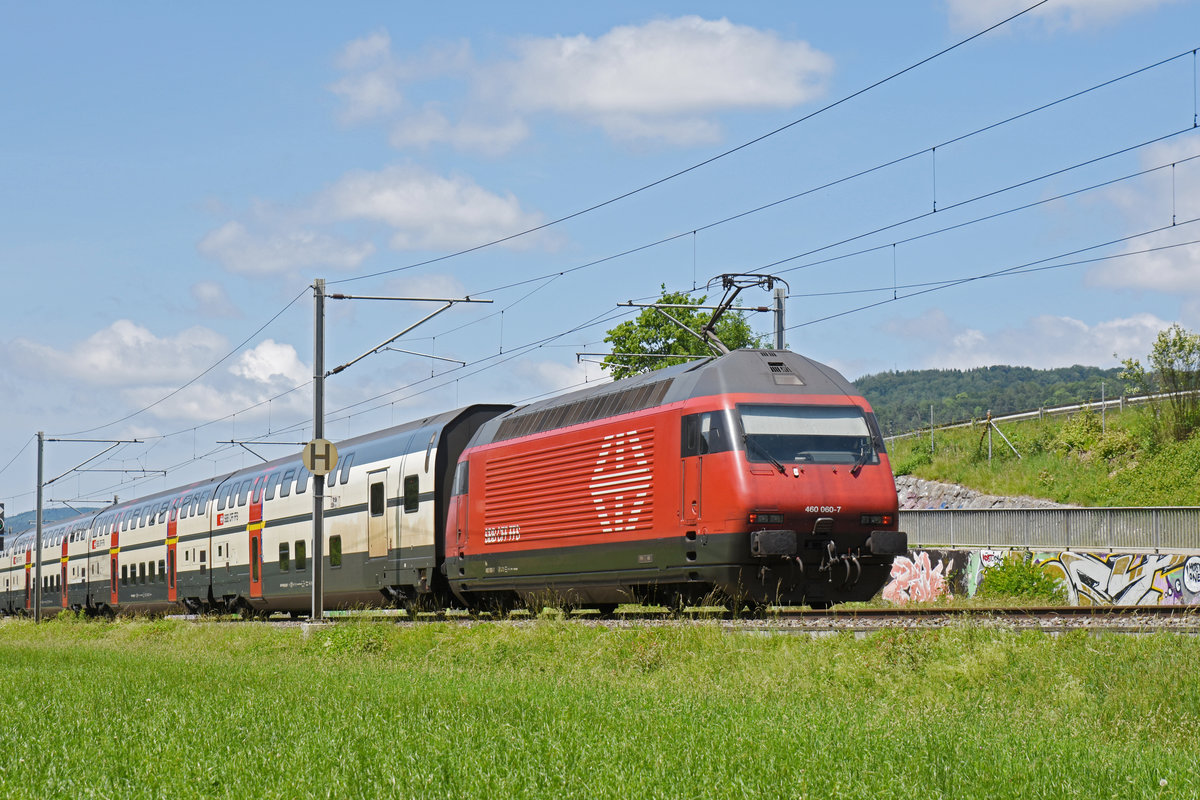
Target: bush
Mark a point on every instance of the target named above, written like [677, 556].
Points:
[918, 458]
[1018, 577]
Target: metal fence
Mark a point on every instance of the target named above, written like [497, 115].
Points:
[1117, 529]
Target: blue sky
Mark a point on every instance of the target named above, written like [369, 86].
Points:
[175, 175]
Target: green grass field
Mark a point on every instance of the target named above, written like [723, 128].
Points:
[559, 709]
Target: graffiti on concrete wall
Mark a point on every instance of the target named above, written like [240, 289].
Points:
[977, 562]
[916, 579]
[1126, 579]
[1089, 578]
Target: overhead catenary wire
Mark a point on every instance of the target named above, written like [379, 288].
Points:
[725, 220]
[559, 274]
[724, 154]
[1028, 266]
[209, 369]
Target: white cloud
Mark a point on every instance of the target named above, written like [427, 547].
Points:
[653, 79]
[1151, 203]
[431, 126]
[663, 80]
[212, 300]
[286, 249]
[122, 354]
[1074, 14]
[1042, 342]
[271, 363]
[425, 210]
[370, 51]
[367, 95]
[126, 366]
[666, 68]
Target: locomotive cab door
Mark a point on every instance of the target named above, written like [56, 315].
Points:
[379, 522]
[691, 469]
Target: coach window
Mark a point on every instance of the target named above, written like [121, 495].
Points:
[378, 501]
[243, 492]
[412, 494]
[142, 572]
[285, 485]
[344, 473]
[162, 570]
[260, 483]
[335, 551]
[152, 575]
[302, 480]
[284, 558]
[272, 482]
[124, 574]
[301, 556]
[203, 566]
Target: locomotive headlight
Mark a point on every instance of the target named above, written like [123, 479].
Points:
[761, 518]
[877, 519]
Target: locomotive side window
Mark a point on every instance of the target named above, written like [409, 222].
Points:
[412, 494]
[461, 478]
[807, 434]
[710, 432]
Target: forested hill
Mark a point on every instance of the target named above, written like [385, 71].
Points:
[902, 399]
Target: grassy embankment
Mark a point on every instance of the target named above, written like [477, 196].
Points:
[547, 709]
[1127, 463]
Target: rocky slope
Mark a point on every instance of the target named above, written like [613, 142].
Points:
[918, 493]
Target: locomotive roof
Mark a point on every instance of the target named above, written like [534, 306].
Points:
[767, 371]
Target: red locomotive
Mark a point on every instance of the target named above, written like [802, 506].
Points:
[757, 477]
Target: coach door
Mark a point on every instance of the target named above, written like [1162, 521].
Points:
[172, 543]
[28, 580]
[63, 570]
[378, 518]
[254, 529]
[113, 550]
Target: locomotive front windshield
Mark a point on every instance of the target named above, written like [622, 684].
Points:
[778, 435]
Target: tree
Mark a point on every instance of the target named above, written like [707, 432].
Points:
[1175, 371]
[635, 342]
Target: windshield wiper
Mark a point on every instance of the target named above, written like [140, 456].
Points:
[864, 455]
[762, 451]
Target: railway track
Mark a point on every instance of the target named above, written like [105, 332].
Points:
[859, 621]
